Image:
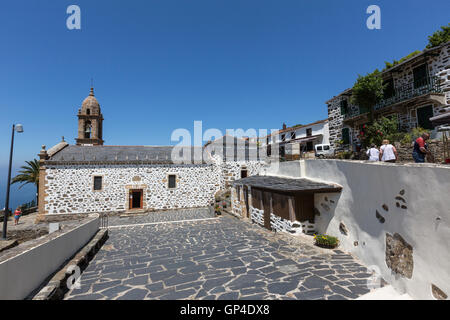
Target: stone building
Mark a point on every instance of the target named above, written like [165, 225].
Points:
[416, 90]
[91, 177]
[279, 203]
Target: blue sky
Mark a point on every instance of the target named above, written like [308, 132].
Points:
[160, 65]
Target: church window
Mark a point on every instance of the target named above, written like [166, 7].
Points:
[172, 181]
[98, 181]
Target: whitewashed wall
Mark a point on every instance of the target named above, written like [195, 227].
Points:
[316, 129]
[70, 187]
[25, 272]
[424, 223]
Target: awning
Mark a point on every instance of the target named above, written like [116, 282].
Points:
[441, 119]
[288, 184]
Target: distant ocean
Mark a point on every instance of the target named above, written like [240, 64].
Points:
[16, 196]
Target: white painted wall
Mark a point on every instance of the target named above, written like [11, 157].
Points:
[319, 128]
[425, 224]
[22, 274]
[69, 188]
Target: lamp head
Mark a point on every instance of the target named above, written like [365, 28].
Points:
[18, 128]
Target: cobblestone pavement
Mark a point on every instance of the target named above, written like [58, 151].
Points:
[162, 216]
[223, 258]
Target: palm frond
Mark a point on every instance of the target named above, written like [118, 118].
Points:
[28, 174]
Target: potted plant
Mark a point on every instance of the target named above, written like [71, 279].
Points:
[325, 241]
[218, 208]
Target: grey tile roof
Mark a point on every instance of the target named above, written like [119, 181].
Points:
[287, 184]
[117, 154]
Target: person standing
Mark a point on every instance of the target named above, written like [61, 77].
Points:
[373, 153]
[388, 153]
[420, 150]
[17, 215]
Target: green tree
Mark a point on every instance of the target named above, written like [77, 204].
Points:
[439, 37]
[28, 174]
[367, 91]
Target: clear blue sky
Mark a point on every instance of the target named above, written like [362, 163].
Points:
[160, 65]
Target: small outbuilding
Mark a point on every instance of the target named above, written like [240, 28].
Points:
[278, 203]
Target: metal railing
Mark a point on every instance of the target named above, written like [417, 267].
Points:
[405, 92]
[411, 90]
[104, 223]
[355, 113]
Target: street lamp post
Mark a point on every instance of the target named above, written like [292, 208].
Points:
[19, 129]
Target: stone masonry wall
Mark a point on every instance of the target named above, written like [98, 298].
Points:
[231, 170]
[69, 188]
[438, 66]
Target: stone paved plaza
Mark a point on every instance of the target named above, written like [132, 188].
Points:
[162, 216]
[222, 258]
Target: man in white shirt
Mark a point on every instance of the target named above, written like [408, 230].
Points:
[373, 153]
[388, 153]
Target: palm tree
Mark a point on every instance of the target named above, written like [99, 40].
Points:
[28, 174]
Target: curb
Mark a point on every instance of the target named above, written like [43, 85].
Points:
[56, 288]
[8, 244]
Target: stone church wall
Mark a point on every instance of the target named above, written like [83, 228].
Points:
[69, 188]
[231, 170]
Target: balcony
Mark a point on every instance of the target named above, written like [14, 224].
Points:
[428, 85]
[354, 114]
[422, 88]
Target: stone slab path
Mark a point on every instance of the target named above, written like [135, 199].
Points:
[162, 216]
[222, 258]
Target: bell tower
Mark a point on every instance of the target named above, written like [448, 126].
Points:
[90, 122]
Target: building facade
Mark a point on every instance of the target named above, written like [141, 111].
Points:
[90, 177]
[416, 90]
[293, 142]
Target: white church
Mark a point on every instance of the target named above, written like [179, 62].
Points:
[90, 177]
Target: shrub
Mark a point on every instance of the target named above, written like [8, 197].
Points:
[367, 91]
[439, 37]
[378, 131]
[395, 62]
[417, 132]
[407, 139]
[344, 155]
[398, 137]
[323, 240]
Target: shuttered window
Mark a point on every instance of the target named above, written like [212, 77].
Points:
[98, 183]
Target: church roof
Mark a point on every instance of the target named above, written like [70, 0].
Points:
[74, 154]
